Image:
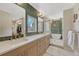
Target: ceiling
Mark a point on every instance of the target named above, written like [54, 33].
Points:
[52, 10]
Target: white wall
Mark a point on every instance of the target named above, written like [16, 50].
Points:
[5, 24]
[70, 25]
[47, 27]
[56, 16]
[76, 24]
[67, 24]
[76, 11]
[40, 19]
[40, 24]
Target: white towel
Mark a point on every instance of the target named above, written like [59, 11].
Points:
[70, 39]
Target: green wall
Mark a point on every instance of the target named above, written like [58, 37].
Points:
[56, 27]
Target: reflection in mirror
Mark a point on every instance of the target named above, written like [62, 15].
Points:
[40, 27]
[31, 24]
[5, 26]
[17, 28]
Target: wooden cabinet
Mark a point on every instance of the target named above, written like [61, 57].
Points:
[35, 48]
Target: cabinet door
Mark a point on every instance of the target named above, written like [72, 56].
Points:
[39, 47]
[32, 49]
[42, 46]
[20, 51]
[15, 52]
[35, 48]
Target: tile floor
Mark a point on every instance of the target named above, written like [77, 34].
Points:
[54, 50]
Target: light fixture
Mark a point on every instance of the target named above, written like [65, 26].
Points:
[19, 21]
[19, 3]
[39, 13]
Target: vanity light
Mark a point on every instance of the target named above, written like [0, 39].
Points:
[39, 13]
[19, 22]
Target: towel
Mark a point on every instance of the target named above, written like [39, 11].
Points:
[70, 39]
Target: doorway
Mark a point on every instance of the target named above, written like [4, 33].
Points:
[56, 32]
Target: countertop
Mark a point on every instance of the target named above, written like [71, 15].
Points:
[9, 45]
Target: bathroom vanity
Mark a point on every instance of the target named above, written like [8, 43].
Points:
[35, 45]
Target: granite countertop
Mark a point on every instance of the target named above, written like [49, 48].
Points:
[9, 45]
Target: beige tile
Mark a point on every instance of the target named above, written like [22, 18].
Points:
[46, 54]
[54, 51]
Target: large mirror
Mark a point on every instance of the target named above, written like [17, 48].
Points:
[31, 25]
[12, 19]
[40, 25]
